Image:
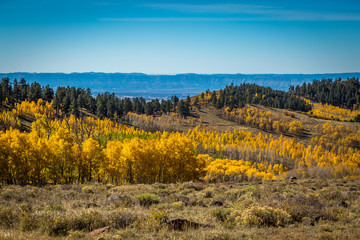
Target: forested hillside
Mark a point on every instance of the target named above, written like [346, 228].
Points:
[341, 93]
[66, 144]
[237, 96]
[71, 100]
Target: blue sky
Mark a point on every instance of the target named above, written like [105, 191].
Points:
[169, 37]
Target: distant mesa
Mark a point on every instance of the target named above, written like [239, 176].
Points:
[165, 86]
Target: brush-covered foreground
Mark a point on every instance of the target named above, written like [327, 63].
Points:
[286, 209]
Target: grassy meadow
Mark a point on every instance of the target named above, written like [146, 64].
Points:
[283, 209]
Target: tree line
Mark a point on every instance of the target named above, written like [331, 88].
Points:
[21, 91]
[341, 93]
[237, 96]
[71, 100]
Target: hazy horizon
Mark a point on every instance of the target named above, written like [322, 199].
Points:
[177, 37]
[165, 86]
[189, 73]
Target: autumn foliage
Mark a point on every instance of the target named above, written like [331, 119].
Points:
[330, 112]
[79, 150]
[263, 120]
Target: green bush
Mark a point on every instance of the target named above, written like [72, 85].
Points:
[233, 195]
[220, 214]
[56, 208]
[148, 199]
[265, 216]
[208, 194]
[88, 189]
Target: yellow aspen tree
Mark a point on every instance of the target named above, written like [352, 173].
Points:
[92, 156]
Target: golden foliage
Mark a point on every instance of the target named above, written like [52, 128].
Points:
[330, 112]
[79, 150]
[264, 120]
[8, 120]
[221, 170]
[30, 110]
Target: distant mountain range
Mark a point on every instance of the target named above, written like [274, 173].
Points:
[165, 86]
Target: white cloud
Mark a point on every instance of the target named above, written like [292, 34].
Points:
[252, 12]
[214, 8]
[175, 19]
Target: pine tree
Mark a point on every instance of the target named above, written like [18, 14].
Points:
[16, 91]
[6, 91]
[213, 99]
[100, 107]
[127, 105]
[24, 89]
[48, 93]
[183, 109]
[175, 100]
[34, 92]
[149, 109]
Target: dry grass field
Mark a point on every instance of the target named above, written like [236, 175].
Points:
[287, 209]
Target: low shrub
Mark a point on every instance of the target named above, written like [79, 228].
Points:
[122, 219]
[233, 195]
[26, 207]
[266, 216]
[332, 214]
[59, 223]
[196, 186]
[30, 222]
[331, 195]
[8, 218]
[88, 189]
[56, 208]
[58, 227]
[220, 214]
[235, 217]
[208, 194]
[302, 206]
[87, 221]
[148, 199]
